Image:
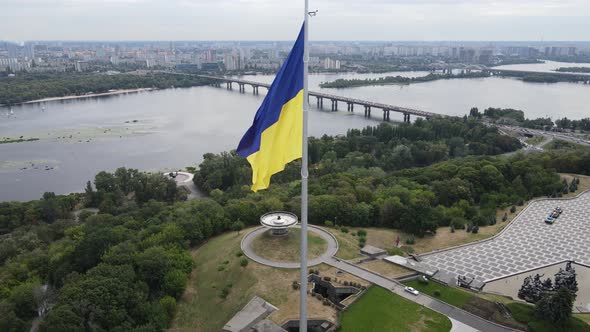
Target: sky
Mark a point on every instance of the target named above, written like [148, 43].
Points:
[376, 20]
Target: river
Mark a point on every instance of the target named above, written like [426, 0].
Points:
[171, 129]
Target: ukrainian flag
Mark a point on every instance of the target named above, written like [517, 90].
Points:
[275, 137]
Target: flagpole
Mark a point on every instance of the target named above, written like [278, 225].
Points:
[304, 175]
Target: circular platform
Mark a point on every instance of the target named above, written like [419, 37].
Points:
[180, 177]
[331, 249]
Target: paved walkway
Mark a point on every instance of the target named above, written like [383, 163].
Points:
[527, 243]
[453, 313]
[331, 249]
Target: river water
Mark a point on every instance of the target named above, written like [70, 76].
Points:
[172, 129]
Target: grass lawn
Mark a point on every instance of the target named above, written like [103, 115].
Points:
[385, 238]
[201, 309]
[380, 310]
[584, 317]
[286, 248]
[387, 269]
[450, 295]
[524, 313]
[584, 183]
[478, 305]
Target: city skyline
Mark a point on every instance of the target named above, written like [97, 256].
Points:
[260, 20]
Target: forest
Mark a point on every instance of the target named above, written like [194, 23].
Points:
[32, 86]
[115, 258]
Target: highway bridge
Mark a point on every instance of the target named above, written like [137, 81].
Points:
[334, 100]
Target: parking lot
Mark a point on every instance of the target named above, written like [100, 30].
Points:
[526, 244]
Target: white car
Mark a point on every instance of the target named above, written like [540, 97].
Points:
[411, 290]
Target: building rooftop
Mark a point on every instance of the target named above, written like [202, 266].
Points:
[253, 313]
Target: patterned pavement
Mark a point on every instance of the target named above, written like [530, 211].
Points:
[527, 243]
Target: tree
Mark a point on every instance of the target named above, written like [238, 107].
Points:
[174, 283]
[555, 307]
[91, 200]
[23, 298]
[567, 279]
[237, 226]
[62, 318]
[169, 305]
[105, 181]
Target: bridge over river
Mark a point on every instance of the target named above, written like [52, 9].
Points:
[350, 102]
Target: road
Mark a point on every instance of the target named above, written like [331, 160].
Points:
[570, 137]
[453, 313]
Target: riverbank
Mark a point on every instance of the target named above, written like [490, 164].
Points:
[40, 87]
[89, 95]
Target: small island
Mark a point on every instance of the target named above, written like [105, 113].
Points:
[7, 140]
[349, 83]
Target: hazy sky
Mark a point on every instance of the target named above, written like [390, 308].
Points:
[279, 19]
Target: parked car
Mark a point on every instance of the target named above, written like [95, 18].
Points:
[550, 220]
[411, 290]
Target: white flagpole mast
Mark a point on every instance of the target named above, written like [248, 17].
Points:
[304, 175]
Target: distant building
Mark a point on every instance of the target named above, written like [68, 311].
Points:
[560, 51]
[82, 66]
[331, 64]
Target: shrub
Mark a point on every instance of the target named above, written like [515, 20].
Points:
[295, 285]
[220, 268]
[362, 232]
[345, 283]
[505, 216]
[410, 240]
[326, 302]
[436, 293]
[395, 251]
[422, 280]
[344, 229]
[244, 262]
[519, 203]
[362, 240]
[225, 262]
[224, 293]
[327, 278]
[475, 229]
[353, 233]
[328, 223]
[239, 254]
[407, 249]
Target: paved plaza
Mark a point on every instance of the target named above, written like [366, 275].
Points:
[527, 243]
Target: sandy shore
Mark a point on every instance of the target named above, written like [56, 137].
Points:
[111, 93]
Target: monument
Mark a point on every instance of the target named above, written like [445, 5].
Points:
[278, 222]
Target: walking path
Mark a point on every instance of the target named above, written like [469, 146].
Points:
[462, 320]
